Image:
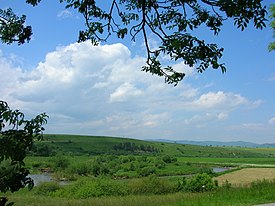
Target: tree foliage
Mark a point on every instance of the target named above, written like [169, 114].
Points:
[133, 147]
[16, 138]
[171, 22]
[272, 24]
[12, 28]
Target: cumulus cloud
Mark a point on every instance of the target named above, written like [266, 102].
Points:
[9, 78]
[203, 119]
[101, 90]
[125, 92]
[220, 101]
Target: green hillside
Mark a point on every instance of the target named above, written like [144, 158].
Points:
[96, 145]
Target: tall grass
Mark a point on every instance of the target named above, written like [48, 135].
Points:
[258, 193]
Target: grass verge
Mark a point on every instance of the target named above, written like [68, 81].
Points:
[257, 193]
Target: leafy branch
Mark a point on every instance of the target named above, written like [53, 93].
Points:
[12, 28]
[172, 22]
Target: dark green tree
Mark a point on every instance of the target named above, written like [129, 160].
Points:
[12, 28]
[172, 22]
[271, 46]
[16, 138]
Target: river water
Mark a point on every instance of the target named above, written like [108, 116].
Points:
[39, 178]
[46, 177]
[221, 169]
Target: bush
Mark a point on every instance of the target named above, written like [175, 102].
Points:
[159, 163]
[146, 171]
[206, 170]
[46, 188]
[80, 169]
[198, 183]
[169, 159]
[93, 187]
[150, 185]
[43, 149]
[100, 169]
[101, 187]
[60, 162]
[36, 164]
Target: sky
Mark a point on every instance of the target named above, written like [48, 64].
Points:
[101, 90]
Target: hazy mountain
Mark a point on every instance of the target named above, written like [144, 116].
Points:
[218, 143]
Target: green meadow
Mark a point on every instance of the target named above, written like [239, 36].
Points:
[94, 170]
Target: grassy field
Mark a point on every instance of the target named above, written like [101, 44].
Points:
[134, 158]
[230, 161]
[96, 145]
[124, 160]
[260, 193]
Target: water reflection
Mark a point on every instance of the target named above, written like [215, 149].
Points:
[220, 169]
[39, 178]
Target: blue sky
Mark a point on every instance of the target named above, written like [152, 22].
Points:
[101, 90]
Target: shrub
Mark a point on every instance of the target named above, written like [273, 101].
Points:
[198, 183]
[169, 159]
[93, 187]
[100, 169]
[36, 164]
[43, 149]
[159, 163]
[150, 185]
[80, 169]
[206, 170]
[146, 171]
[101, 187]
[60, 162]
[46, 188]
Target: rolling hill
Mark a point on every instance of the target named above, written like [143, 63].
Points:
[97, 145]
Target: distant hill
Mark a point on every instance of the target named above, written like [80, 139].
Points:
[268, 145]
[102, 145]
[218, 144]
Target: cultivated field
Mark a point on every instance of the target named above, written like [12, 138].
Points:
[246, 176]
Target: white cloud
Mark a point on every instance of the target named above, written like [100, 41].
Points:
[189, 92]
[272, 121]
[9, 78]
[201, 120]
[188, 71]
[256, 104]
[66, 14]
[125, 92]
[222, 116]
[101, 90]
[219, 101]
